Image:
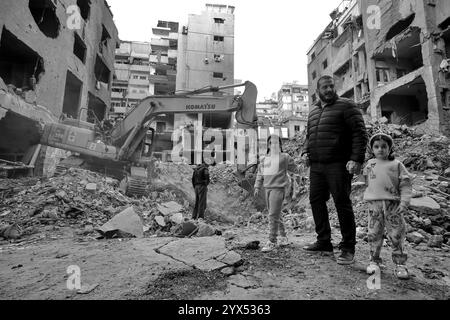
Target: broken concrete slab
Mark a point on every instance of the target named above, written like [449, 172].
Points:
[160, 221]
[207, 253]
[424, 204]
[415, 237]
[126, 221]
[169, 208]
[205, 230]
[230, 258]
[177, 218]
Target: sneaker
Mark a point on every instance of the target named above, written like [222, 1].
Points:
[269, 246]
[401, 272]
[373, 267]
[346, 257]
[319, 247]
[283, 241]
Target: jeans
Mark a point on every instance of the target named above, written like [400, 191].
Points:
[326, 178]
[200, 201]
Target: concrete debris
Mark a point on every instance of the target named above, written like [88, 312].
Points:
[91, 187]
[87, 288]
[160, 221]
[415, 237]
[206, 253]
[424, 203]
[126, 221]
[205, 230]
[435, 241]
[169, 208]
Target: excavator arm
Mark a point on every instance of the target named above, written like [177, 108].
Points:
[82, 137]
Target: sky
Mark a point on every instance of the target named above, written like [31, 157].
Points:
[271, 37]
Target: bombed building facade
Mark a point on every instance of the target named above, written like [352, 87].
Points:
[391, 57]
[56, 59]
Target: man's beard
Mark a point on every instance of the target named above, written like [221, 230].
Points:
[328, 100]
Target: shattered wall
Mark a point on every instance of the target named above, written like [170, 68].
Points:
[41, 43]
[57, 52]
[405, 25]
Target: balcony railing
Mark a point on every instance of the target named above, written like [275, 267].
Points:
[159, 42]
[158, 78]
[137, 67]
[159, 59]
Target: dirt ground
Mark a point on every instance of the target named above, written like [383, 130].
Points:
[36, 267]
[132, 269]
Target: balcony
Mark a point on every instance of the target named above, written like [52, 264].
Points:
[159, 59]
[160, 31]
[173, 36]
[159, 43]
[139, 82]
[341, 57]
[172, 53]
[121, 110]
[116, 95]
[142, 68]
[159, 78]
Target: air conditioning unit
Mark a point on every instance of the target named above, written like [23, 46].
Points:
[206, 61]
[185, 30]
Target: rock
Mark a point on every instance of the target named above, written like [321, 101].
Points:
[228, 271]
[169, 208]
[91, 187]
[126, 221]
[415, 237]
[447, 171]
[10, 232]
[425, 234]
[197, 252]
[160, 221]
[230, 258]
[228, 235]
[427, 223]
[438, 230]
[424, 204]
[205, 230]
[177, 218]
[360, 232]
[435, 241]
[310, 226]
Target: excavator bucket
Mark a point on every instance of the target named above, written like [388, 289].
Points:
[246, 115]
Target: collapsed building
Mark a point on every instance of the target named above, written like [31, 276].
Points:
[390, 57]
[56, 60]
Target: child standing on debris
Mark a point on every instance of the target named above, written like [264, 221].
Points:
[388, 194]
[272, 174]
[200, 182]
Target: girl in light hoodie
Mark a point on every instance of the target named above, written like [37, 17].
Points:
[272, 174]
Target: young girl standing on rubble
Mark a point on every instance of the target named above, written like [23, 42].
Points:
[388, 194]
[272, 174]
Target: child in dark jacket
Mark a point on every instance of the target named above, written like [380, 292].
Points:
[200, 182]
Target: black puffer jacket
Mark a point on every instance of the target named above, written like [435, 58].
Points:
[336, 133]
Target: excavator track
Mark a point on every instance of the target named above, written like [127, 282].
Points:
[136, 187]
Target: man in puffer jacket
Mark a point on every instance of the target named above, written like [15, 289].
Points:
[335, 148]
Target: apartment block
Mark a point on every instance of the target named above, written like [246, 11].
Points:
[389, 57]
[293, 101]
[131, 81]
[206, 58]
[56, 58]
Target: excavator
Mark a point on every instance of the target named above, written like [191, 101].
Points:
[119, 153]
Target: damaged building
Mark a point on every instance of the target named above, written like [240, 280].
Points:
[391, 57]
[56, 60]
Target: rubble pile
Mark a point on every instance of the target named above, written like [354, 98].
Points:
[84, 200]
